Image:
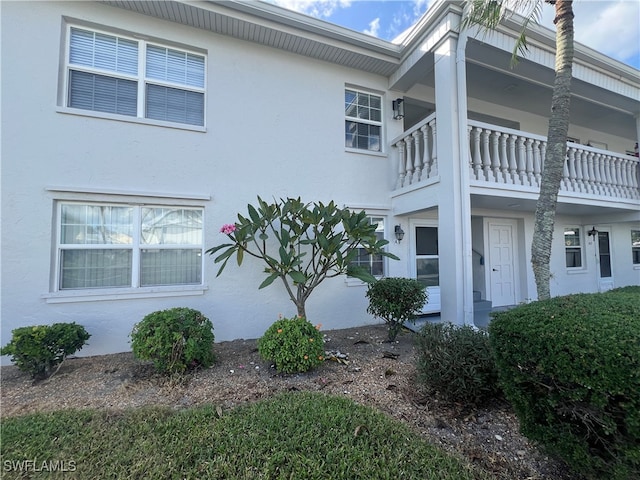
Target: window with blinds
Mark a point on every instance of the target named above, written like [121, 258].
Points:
[123, 76]
[115, 246]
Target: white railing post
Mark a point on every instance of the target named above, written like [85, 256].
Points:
[537, 162]
[401, 164]
[409, 143]
[417, 164]
[475, 148]
[426, 153]
[434, 156]
[495, 156]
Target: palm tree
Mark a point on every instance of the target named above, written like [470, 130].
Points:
[487, 15]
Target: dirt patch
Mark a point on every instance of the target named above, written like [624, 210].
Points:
[377, 373]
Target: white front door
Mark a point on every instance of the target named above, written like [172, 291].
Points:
[426, 266]
[501, 268]
[605, 274]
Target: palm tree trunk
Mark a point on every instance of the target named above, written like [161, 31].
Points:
[556, 150]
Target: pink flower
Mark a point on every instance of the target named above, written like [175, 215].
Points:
[228, 228]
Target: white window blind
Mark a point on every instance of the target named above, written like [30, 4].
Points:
[114, 246]
[106, 73]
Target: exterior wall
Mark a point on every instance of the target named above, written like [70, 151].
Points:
[270, 131]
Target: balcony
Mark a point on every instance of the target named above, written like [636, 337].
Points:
[512, 160]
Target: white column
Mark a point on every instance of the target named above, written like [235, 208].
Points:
[454, 208]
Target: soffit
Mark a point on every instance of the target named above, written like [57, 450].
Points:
[275, 27]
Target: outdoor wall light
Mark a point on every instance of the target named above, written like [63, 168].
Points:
[398, 109]
[593, 232]
[399, 233]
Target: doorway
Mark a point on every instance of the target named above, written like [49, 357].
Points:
[501, 271]
[426, 263]
[603, 258]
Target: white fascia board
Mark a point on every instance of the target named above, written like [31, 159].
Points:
[297, 23]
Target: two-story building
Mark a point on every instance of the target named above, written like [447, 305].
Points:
[133, 130]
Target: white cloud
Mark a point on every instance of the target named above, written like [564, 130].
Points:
[374, 27]
[315, 8]
[611, 27]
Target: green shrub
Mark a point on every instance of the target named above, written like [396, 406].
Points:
[176, 340]
[396, 300]
[292, 344]
[457, 362]
[38, 349]
[570, 366]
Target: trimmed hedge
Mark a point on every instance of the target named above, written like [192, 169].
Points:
[570, 366]
[176, 340]
[40, 348]
[293, 345]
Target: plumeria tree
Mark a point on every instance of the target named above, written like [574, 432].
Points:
[301, 244]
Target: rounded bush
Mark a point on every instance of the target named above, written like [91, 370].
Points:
[457, 362]
[293, 345]
[396, 300]
[570, 366]
[176, 340]
[37, 349]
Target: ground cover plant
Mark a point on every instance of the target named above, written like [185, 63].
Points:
[570, 366]
[292, 435]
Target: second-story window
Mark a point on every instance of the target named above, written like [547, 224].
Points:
[363, 120]
[127, 76]
[573, 247]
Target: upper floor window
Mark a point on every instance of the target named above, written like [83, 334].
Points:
[635, 246]
[573, 247]
[117, 245]
[363, 120]
[127, 76]
[373, 264]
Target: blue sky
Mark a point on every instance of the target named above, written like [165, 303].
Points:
[610, 26]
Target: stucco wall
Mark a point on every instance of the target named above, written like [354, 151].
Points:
[274, 128]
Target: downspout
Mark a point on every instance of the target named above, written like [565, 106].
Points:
[465, 198]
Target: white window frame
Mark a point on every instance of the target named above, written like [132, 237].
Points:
[134, 290]
[580, 247]
[635, 247]
[140, 78]
[365, 121]
[351, 281]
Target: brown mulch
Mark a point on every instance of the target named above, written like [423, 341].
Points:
[377, 373]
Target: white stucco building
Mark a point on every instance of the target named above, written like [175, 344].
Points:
[132, 131]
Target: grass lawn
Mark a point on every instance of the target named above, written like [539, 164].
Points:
[294, 436]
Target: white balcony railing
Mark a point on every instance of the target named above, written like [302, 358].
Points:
[511, 157]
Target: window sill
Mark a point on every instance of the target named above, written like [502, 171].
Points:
[94, 295]
[354, 282]
[579, 271]
[125, 118]
[365, 152]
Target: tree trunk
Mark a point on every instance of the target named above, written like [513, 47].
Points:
[556, 150]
